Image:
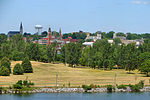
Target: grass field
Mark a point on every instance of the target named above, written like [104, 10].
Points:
[45, 75]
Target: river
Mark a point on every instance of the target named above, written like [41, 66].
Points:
[77, 96]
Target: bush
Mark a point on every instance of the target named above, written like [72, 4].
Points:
[141, 84]
[122, 87]
[134, 88]
[86, 87]
[18, 70]
[6, 63]
[109, 88]
[4, 71]
[1, 89]
[17, 86]
[27, 67]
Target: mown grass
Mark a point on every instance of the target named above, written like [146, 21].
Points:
[45, 75]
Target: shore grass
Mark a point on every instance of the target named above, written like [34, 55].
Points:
[45, 75]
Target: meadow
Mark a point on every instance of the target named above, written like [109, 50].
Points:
[45, 76]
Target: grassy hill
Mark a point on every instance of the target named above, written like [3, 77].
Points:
[45, 75]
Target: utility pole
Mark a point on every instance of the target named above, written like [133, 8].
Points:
[135, 78]
[115, 80]
[56, 79]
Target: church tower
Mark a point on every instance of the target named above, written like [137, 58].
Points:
[49, 36]
[21, 29]
[60, 36]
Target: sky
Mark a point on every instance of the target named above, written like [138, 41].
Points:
[74, 15]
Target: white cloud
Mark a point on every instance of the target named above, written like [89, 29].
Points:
[140, 2]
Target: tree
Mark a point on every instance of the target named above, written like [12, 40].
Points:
[4, 71]
[17, 56]
[32, 51]
[117, 41]
[131, 60]
[27, 67]
[6, 63]
[18, 70]
[73, 53]
[145, 67]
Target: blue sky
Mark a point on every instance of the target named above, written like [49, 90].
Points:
[74, 15]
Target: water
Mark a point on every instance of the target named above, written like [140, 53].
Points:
[78, 96]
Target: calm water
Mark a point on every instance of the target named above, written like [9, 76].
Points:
[78, 96]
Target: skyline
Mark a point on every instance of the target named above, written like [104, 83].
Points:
[74, 15]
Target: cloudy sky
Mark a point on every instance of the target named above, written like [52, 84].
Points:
[74, 15]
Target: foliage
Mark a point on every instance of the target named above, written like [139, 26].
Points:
[27, 66]
[18, 70]
[145, 67]
[109, 88]
[21, 84]
[122, 87]
[4, 71]
[6, 63]
[134, 88]
[86, 87]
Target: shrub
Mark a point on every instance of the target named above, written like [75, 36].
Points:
[1, 89]
[109, 88]
[4, 71]
[27, 67]
[122, 87]
[17, 86]
[6, 63]
[18, 70]
[141, 84]
[19, 82]
[134, 88]
[86, 87]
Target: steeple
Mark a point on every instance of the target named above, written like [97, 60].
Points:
[49, 36]
[60, 36]
[21, 29]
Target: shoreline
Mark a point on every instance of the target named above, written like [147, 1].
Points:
[68, 90]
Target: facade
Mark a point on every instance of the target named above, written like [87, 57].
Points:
[12, 33]
[98, 37]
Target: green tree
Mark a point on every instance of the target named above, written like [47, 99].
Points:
[145, 67]
[6, 63]
[27, 66]
[117, 41]
[4, 71]
[18, 70]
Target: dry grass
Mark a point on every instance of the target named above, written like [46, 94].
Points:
[45, 75]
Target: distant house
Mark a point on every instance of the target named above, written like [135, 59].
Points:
[98, 37]
[88, 44]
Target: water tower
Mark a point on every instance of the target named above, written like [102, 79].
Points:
[39, 29]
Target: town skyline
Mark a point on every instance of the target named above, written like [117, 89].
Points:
[71, 16]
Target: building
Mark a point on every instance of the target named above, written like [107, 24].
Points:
[12, 33]
[98, 37]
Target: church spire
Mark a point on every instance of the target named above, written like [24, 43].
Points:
[60, 36]
[21, 29]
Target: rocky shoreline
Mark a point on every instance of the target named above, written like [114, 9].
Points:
[70, 90]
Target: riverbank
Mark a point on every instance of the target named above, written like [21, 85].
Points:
[69, 90]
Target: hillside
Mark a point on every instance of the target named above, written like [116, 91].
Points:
[45, 75]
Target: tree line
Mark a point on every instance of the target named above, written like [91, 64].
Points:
[102, 55]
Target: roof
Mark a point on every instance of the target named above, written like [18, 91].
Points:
[14, 32]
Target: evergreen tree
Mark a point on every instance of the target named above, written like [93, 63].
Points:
[4, 71]
[6, 63]
[18, 70]
[27, 66]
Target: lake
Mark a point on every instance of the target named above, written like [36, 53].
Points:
[77, 96]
